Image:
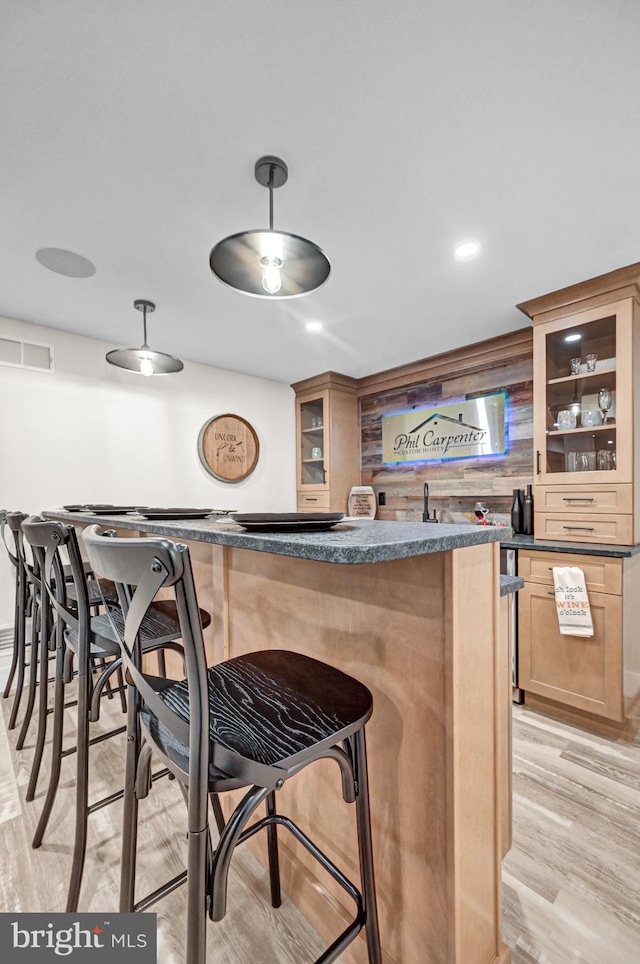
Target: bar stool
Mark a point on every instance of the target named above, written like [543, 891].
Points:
[100, 593]
[79, 635]
[253, 721]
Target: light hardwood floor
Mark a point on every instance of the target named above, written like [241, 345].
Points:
[571, 880]
[35, 880]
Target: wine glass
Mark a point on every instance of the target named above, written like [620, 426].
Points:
[481, 510]
[605, 399]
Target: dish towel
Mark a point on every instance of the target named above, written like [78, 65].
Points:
[572, 602]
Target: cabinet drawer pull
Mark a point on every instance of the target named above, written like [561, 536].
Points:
[308, 498]
[550, 593]
[577, 498]
[580, 528]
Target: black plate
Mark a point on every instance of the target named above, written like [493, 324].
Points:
[109, 509]
[160, 513]
[74, 508]
[287, 521]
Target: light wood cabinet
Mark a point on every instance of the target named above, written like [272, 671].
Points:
[578, 671]
[591, 681]
[328, 442]
[586, 490]
[585, 472]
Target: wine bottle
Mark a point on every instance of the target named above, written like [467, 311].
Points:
[527, 512]
[517, 511]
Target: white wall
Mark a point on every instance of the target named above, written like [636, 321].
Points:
[94, 433]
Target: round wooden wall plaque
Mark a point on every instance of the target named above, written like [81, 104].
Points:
[228, 447]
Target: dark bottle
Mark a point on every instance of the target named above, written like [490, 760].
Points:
[527, 512]
[517, 511]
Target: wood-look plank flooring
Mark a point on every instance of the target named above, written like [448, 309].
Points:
[571, 880]
[35, 880]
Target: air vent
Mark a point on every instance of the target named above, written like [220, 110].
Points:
[6, 637]
[26, 354]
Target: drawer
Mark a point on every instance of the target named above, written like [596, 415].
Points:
[597, 528]
[585, 499]
[308, 501]
[601, 573]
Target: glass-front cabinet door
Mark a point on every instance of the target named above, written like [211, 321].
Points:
[583, 397]
[313, 443]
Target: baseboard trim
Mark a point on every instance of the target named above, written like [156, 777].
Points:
[624, 731]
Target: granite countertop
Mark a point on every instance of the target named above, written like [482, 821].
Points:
[352, 541]
[509, 584]
[584, 548]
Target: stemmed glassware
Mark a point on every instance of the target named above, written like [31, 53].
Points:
[481, 510]
[604, 402]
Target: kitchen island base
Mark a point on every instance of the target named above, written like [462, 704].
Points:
[421, 634]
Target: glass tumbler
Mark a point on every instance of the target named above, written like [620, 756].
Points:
[575, 366]
[316, 453]
[590, 418]
[571, 462]
[604, 460]
[566, 419]
[591, 362]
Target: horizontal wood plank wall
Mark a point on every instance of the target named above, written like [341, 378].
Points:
[499, 364]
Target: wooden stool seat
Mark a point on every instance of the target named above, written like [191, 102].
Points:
[270, 708]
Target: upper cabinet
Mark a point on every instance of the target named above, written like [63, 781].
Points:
[328, 442]
[586, 351]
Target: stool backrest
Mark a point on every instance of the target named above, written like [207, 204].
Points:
[140, 568]
[14, 521]
[3, 532]
[28, 562]
[47, 540]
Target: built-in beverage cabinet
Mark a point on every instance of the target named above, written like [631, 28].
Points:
[328, 442]
[586, 358]
[585, 346]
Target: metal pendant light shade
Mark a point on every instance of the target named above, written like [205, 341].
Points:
[268, 263]
[144, 360]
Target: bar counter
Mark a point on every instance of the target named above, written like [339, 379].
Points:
[413, 611]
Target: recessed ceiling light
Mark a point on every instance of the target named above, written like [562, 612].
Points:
[65, 262]
[573, 337]
[314, 326]
[467, 250]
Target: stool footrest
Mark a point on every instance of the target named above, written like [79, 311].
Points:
[315, 851]
[349, 934]
[163, 891]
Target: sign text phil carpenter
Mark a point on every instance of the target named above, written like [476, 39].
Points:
[460, 430]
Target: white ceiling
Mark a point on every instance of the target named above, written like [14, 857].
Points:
[131, 128]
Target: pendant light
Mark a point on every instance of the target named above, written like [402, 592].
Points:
[144, 360]
[268, 263]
